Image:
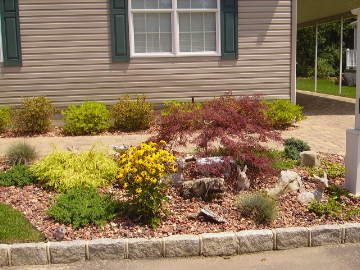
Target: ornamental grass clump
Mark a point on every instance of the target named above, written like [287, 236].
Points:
[20, 154]
[143, 176]
[65, 170]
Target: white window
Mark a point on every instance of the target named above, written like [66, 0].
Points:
[174, 27]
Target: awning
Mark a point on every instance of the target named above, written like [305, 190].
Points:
[318, 11]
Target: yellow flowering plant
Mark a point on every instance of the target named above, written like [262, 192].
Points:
[142, 173]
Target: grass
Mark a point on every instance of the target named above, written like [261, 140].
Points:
[325, 87]
[14, 228]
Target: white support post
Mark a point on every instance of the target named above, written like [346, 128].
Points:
[316, 56]
[341, 54]
[352, 158]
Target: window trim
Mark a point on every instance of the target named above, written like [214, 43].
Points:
[175, 31]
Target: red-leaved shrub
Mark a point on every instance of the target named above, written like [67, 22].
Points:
[238, 125]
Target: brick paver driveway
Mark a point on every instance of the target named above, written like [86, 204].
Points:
[328, 118]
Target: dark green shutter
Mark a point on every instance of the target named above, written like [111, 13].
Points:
[10, 29]
[119, 30]
[229, 29]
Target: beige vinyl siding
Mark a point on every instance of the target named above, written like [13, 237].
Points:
[67, 57]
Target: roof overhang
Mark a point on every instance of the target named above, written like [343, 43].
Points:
[311, 12]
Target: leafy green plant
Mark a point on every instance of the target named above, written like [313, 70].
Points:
[293, 147]
[333, 170]
[21, 154]
[258, 207]
[18, 175]
[90, 117]
[132, 115]
[5, 118]
[33, 116]
[82, 206]
[283, 113]
[172, 106]
[279, 160]
[64, 170]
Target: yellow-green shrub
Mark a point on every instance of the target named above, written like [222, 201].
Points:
[64, 170]
[4, 118]
[283, 113]
[141, 175]
[132, 115]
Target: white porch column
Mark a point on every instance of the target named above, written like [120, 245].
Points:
[316, 56]
[352, 158]
[341, 54]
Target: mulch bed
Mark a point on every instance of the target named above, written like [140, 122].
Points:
[33, 201]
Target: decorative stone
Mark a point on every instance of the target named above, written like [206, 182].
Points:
[288, 238]
[325, 235]
[182, 246]
[4, 260]
[28, 254]
[289, 181]
[255, 241]
[59, 233]
[352, 233]
[205, 188]
[210, 161]
[219, 244]
[309, 159]
[106, 249]
[212, 216]
[145, 248]
[67, 252]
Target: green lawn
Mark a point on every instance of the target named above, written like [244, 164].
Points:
[14, 228]
[326, 87]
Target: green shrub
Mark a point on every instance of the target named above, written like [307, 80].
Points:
[82, 206]
[5, 118]
[91, 117]
[283, 113]
[259, 207]
[132, 115]
[279, 160]
[64, 170]
[172, 106]
[333, 170]
[33, 116]
[293, 148]
[18, 175]
[20, 154]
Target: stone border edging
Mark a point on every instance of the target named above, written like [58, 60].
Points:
[207, 244]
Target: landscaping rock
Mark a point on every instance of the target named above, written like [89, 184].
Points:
[28, 254]
[67, 252]
[139, 248]
[182, 246]
[59, 233]
[325, 235]
[205, 188]
[288, 238]
[212, 216]
[289, 181]
[106, 249]
[352, 233]
[4, 260]
[219, 244]
[255, 241]
[309, 159]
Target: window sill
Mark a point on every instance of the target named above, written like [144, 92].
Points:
[146, 55]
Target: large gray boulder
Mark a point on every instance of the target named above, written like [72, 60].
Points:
[205, 188]
[309, 159]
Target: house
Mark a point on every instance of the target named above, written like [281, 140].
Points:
[76, 50]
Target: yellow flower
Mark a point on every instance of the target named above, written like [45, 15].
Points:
[163, 142]
[174, 169]
[152, 171]
[153, 180]
[143, 173]
[138, 179]
[134, 170]
[126, 185]
[120, 176]
[138, 190]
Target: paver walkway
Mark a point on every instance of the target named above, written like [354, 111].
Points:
[328, 117]
[343, 257]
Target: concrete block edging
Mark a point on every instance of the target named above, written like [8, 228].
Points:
[207, 244]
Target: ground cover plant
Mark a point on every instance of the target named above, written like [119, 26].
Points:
[21, 154]
[132, 114]
[4, 118]
[142, 175]
[18, 175]
[64, 170]
[33, 116]
[90, 117]
[15, 228]
[332, 169]
[283, 113]
[82, 206]
[236, 124]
